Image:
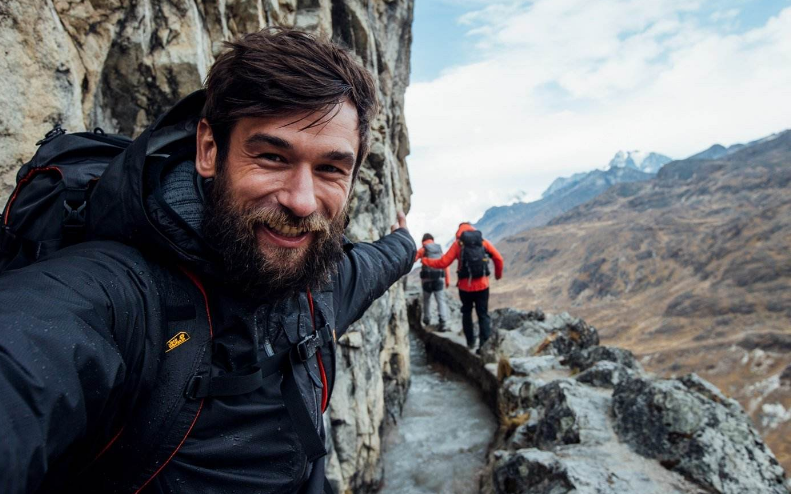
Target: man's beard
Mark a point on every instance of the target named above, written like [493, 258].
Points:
[278, 272]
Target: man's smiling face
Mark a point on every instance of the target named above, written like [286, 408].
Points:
[280, 195]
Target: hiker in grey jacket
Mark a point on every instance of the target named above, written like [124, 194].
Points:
[188, 345]
[434, 282]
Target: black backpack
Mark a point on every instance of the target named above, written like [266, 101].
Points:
[474, 259]
[47, 209]
[432, 279]
[47, 212]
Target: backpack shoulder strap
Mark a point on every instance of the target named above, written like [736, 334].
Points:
[160, 424]
[163, 416]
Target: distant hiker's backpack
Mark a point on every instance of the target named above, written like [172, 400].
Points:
[474, 260]
[432, 278]
[46, 211]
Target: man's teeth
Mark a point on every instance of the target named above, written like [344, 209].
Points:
[287, 231]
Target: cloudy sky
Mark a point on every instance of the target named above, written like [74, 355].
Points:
[506, 97]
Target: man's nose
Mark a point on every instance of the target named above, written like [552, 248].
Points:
[298, 193]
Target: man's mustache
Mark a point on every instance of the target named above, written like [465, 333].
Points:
[280, 218]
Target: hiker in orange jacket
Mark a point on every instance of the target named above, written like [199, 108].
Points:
[434, 282]
[473, 253]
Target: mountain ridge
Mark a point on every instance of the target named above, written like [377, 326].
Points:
[565, 193]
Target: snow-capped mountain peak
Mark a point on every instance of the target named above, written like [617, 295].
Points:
[647, 162]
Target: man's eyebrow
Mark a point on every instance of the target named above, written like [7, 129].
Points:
[344, 157]
[260, 138]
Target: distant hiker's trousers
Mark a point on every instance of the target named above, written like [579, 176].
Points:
[442, 306]
[481, 301]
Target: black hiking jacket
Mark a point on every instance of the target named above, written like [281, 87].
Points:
[88, 359]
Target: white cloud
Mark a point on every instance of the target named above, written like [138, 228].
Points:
[563, 84]
[724, 15]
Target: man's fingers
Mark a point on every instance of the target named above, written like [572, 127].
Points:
[401, 221]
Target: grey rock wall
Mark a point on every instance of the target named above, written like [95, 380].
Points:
[118, 64]
[576, 417]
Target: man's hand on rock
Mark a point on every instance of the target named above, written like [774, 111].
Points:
[401, 222]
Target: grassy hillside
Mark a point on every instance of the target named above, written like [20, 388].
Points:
[691, 271]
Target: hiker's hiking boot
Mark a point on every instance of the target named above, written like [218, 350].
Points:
[442, 328]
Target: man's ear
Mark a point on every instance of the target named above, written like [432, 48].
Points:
[206, 156]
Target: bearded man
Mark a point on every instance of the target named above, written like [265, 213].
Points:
[188, 345]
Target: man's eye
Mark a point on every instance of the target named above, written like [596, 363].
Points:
[272, 157]
[329, 169]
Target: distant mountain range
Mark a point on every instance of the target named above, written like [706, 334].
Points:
[691, 270]
[567, 192]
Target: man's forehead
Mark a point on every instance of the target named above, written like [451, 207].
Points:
[337, 120]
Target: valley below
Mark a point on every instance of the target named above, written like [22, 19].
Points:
[691, 271]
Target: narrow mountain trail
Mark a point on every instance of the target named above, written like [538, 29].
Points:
[439, 444]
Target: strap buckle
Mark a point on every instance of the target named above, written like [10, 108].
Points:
[74, 217]
[197, 383]
[308, 346]
[228, 384]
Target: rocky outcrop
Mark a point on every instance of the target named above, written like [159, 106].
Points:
[579, 417]
[118, 64]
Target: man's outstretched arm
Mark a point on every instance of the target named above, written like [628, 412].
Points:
[61, 365]
[368, 270]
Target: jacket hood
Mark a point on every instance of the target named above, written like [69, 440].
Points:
[150, 196]
[429, 241]
[465, 227]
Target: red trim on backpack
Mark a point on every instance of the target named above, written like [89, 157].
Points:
[200, 407]
[22, 182]
[324, 391]
[198, 284]
[104, 450]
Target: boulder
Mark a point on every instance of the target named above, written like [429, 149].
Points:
[690, 428]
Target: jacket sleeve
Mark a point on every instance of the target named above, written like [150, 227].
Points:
[366, 273]
[420, 253]
[496, 257]
[444, 261]
[61, 364]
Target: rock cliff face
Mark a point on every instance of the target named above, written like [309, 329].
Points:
[118, 64]
[579, 417]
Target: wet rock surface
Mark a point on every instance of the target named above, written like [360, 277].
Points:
[578, 417]
[118, 64]
[440, 442]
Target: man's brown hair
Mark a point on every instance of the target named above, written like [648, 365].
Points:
[280, 71]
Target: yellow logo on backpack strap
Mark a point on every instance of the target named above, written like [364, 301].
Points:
[180, 338]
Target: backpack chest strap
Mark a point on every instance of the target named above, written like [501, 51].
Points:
[233, 384]
[203, 385]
